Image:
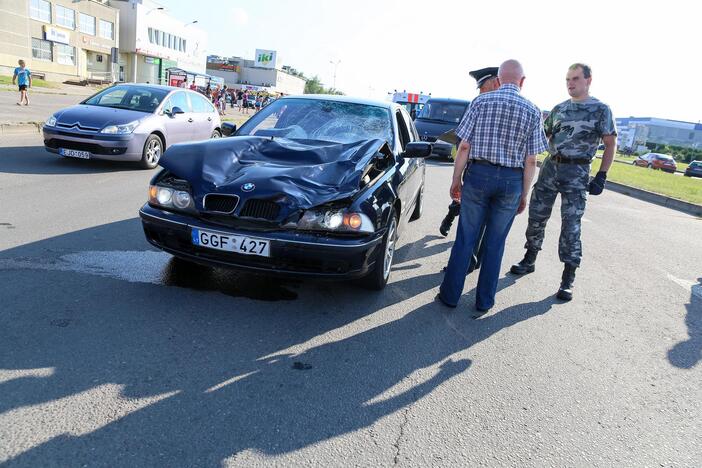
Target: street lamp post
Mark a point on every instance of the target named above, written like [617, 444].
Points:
[336, 64]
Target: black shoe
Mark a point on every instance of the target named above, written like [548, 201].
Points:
[446, 225]
[441, 301]
[526, 265]
[565, 292]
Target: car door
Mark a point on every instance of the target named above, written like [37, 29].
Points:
[179, 127]
[405, 165]
[205, 115]
[417, 165]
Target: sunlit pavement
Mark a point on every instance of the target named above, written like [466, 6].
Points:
[112, 354]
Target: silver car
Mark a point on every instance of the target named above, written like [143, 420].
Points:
[131, 122]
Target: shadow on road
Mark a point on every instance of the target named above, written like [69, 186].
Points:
[237, 374]
[687, 354]
[36, 160]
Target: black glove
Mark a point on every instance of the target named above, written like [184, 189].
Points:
[598, 183]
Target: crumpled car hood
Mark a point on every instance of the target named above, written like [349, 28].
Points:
[298, 173]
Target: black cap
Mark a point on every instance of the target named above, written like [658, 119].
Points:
[484, 74]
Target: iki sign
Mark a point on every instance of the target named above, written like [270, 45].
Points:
[265, 58]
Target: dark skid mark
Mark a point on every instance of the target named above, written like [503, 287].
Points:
[201, 278]
[297, 365]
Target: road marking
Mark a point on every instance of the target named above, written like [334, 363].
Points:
[11, 374]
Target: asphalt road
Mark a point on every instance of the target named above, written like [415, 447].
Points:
[113, 355]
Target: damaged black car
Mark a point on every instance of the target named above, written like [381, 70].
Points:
[310, 186]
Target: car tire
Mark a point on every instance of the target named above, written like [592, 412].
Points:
[418, 206]
[378, 277]
[151, 154]
[216, 134]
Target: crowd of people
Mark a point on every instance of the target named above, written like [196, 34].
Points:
[241, 99]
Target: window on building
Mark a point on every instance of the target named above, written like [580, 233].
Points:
[151, 36]
[107, 29]
[40, 10]
[65, 54]
[161, 38]
[41, 50]
[87, 24]
[185, 48]
[65, 17]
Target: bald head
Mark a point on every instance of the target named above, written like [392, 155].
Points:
[511, 71]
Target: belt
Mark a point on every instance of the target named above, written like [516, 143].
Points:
[490, 163]
[559, 158]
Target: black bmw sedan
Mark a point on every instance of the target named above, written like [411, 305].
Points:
[315, 186]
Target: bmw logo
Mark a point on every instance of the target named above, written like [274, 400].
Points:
[248, 187]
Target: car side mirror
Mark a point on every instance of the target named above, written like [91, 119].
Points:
[177, 110]
[418, 149]
[228, 129]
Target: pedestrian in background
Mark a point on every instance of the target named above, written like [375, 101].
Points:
[245, 100]
[23, 77]
[574, 129]
[501, 135]
[239, 99]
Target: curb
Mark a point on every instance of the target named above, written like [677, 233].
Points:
[19, 128]
[651, 197]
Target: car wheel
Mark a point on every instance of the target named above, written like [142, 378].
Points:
[216, 134]
[153, 149]
[418, 206]
[378, 277]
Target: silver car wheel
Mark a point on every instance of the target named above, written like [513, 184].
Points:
[389, 248]
[153, 151]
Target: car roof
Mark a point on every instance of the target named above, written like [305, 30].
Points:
[349, 99]
[149, 85]
[449, 100]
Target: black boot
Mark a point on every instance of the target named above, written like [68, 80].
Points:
[565, 292]
[446, 224]
[527, 265]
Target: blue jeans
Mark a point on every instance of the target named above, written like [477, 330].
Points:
[491, 196]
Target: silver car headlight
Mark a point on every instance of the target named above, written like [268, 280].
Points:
[125, 129]
[170, 198]
[337, 220]
[51, 121]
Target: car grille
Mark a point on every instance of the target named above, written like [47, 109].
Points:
[220, 203]
[78, 126]
[261, 209]
[56, 143]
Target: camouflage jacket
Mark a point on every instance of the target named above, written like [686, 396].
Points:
[575, 129]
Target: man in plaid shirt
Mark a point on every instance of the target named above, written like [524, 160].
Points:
[501, 135]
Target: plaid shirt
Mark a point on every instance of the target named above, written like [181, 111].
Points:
[503, 127]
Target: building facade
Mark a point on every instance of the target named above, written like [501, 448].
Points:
[152, 41]
[242, 73]
[60, 39]
[635, 132]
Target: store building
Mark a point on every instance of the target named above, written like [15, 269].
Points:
[152, 41]
[60, 40]
[635, 132]
[260, 74]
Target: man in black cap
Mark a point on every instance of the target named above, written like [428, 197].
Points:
[486, 79]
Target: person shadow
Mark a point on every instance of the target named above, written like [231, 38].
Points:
[222, 377]
[687, 354]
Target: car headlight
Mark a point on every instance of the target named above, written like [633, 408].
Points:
[120, 129]
[168, 197]
[51, 121]
[335, 220]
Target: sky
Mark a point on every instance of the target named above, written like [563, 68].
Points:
[642, 53]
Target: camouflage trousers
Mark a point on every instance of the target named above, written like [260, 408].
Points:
[570, 180]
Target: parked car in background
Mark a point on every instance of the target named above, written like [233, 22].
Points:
[660, 161]
[438, 116]
[694, 169]
[131, 122]
[310, 186]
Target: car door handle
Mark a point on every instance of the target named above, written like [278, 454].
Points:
[190, 120]
[209, 119]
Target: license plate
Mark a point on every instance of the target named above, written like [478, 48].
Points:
[74, 153]
[230, 243]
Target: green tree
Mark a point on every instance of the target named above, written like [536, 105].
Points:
[314, 86]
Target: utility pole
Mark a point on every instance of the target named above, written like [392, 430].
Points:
[336, 64]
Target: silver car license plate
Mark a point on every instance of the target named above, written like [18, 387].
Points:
[74, 153]
[231, 243]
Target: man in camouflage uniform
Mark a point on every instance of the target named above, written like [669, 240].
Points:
[486, 79]
[574, 128]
